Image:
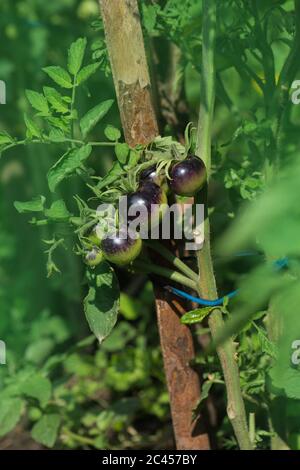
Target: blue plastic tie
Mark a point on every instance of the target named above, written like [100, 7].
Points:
[278, 265]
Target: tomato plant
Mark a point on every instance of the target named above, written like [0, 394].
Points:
[79, 152]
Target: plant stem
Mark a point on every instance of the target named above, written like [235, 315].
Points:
[169, 256]
[72, 107]
[74, 141]
[165, 272]
[207, 287]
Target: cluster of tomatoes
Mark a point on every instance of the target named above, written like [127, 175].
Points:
[185, 178]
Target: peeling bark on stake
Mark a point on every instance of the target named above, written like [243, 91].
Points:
[130, 72]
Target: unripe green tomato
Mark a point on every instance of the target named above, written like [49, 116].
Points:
[121, 251]
[94, 257]
[91, 238]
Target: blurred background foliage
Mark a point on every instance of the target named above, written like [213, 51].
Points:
[115, 396]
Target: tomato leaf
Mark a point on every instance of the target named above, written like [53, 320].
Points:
[38, 102]
[59, 76]
[46, 429]
[10, 413]
[56, 100]
[196, 316]
[75, 55]
[58, 211]
[112, 133]
[37, 387]
[35, 205]
[86, 72]
[93, 116]
[32, 128]
[67, 165]
[101, 305]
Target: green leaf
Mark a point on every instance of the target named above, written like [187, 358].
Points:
[56, 135]
[101, 305]
[56, 100]
[58, 211]
[112, 133]
[59, 76]
[61, 123]
[5, 138]
[10, 413]
[67, 165]
[46, 429]
[87, 72]
[35, 205]
[266, 345]
[38, 102]
[205, 389]
[122, 151]
[149, 16]
[114, 173]
[37, 387]
[75, 55]
[93, 116]
[32, 128]
[196, 316]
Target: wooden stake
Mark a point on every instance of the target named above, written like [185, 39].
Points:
[131, 78]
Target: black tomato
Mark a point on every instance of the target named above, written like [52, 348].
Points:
[150, 175]
[187, 176]
[149, 202]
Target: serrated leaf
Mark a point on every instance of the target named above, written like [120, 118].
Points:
[112, 133]
[266, 345]
[5, 138]
[113, 174]
[87, 72]
[56, 100]
[59, 76]
[35, 205]
[93, 116]
[45, 431]
[196, 316]
[122, 151]
[10, 413]
[61, 123]
[37, 387]
[32, 128]
[38, 102]
[101, 305]
[56, 135]
[205, 389]
[67, 164]
[58, 211]
[75, 55]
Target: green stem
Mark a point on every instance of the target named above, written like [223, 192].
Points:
[82, 439]
[47, 142]
[72, 107]
[165, 272]
[207, 287]
[169, 256]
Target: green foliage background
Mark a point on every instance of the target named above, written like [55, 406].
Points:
[58, 386]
